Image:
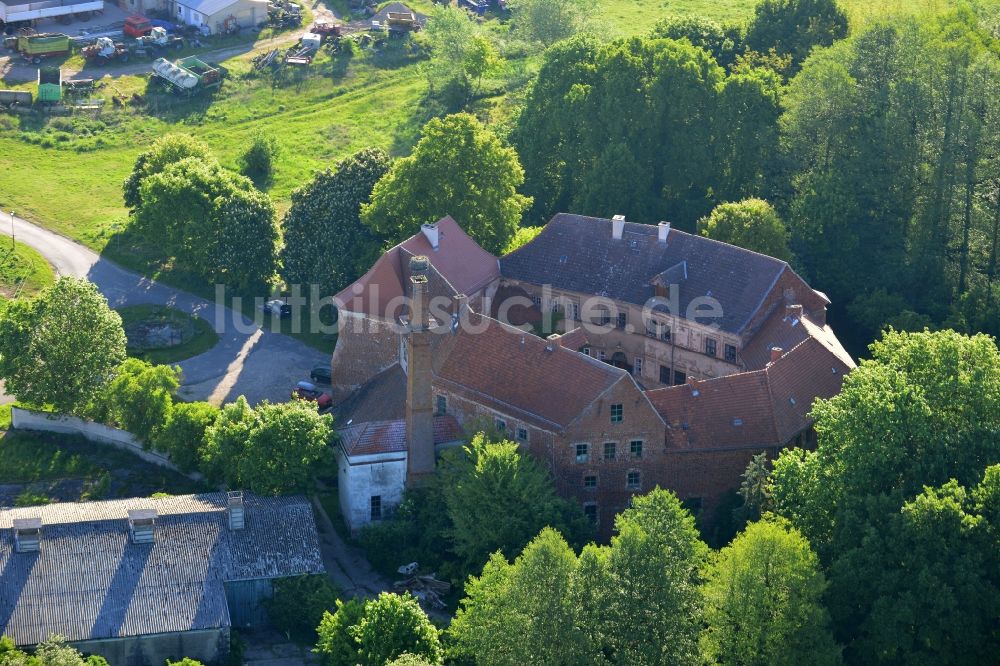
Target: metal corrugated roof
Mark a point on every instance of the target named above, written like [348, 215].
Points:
[89, 581]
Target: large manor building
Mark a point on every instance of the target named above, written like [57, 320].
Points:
[674, 359]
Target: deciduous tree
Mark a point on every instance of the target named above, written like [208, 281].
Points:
[395, 624]
[284, 447]
[336, 644]
[752, 224]
[548, 21]
[795, 27]
[140, 398]
[182, 435]
[61, 347]
[165, 151]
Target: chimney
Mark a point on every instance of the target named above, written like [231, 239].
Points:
[552, 342]
[432, 233]
[663, 230]
[776, 353]
[419, 393]
[27, 535]
[617, 226]
[459, 305]
[234, 509]
[793, 311]
[140, 524]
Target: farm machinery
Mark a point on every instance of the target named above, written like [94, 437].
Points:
[105, 50]
[150, 45]
[187, 76]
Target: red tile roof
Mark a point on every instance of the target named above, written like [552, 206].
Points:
[458, 266]
[375, 437]
[786, 330]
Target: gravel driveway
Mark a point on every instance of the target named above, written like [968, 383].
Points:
[248, 359]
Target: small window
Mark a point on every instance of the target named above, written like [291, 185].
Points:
[574, 312]
[585, 350]
[633, 481]
[600, 355]
[651, 329]
[635, 448]
[522, 434]
[637, 368]
[582, 453]
[610, 450]
[590, 510]
[622, 320]
[679, 378]
[665, 333]
[376, 507]
[501, 425]
[590, 481]
[617, 413]
[664, 374]
[710, 345]
[731, 353]
[442, 405]
[537, 301]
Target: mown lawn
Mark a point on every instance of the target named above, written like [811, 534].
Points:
[134, 317]
[23, 271]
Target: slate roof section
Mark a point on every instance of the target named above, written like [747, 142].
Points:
[381, 399]
[578, 254]
[89, 581]
[458, 266]
[787, 330]
[375, 437]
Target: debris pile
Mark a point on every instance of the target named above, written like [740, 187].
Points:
[427, 589]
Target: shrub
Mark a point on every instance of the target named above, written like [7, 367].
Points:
[257, 160]
[299, 603]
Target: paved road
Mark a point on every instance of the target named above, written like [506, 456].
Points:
[249, 359]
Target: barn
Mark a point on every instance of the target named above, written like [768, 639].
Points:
[139, 581]
[220, 16]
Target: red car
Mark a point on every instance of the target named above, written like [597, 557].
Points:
[308, 391]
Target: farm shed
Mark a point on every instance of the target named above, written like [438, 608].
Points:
[140, 581]
[219, 15]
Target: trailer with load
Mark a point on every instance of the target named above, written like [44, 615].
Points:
[187, 76]
[49, 84]
[36, 46]
[402, 22]
[303, 53]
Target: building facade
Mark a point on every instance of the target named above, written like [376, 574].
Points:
[675, 359]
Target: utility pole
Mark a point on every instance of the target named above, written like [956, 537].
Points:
[11, 231]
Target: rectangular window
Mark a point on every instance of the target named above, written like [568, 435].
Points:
[665, 333]
[590, 510]
[635, 448]
[376, 507]
[617, 413]
[603, 318]
[637, 368]
[537, 301]
[731, 353]
[600, 355]
[633, 481]
[651, 328]
[679, 378]
[582, 453]
[574, 312]
[610, 451]
[710, 346]
[585, 350]
[442, 405]
[622, 320]
[664, 374]
[522, 434]
[501, 425]
[590, 481]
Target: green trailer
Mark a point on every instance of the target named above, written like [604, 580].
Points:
[38, 46]
[49, 84]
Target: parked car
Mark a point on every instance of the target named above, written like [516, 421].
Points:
[277, 308]
[320, 374]
[308, 391]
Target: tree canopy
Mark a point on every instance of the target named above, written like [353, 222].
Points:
[165, 151]
[548, 21]
[795, 27]
[325, 241]
[61, 347]
[458, 168]
[752, 224]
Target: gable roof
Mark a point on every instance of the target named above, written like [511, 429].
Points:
[518, 373]
[766, 407]
[374, 437]
[210, 7]
[89, 581]
[786, 328]
[577, 253]
[458, 266]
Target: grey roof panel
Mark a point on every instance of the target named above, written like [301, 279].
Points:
[90, 581]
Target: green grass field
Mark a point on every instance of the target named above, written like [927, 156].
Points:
[66, 172]
[202, 336]
[22, 269]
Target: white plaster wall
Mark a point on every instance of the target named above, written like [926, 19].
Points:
[383, 475]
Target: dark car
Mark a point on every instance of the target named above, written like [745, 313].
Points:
[320, 374]
[308, 391]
